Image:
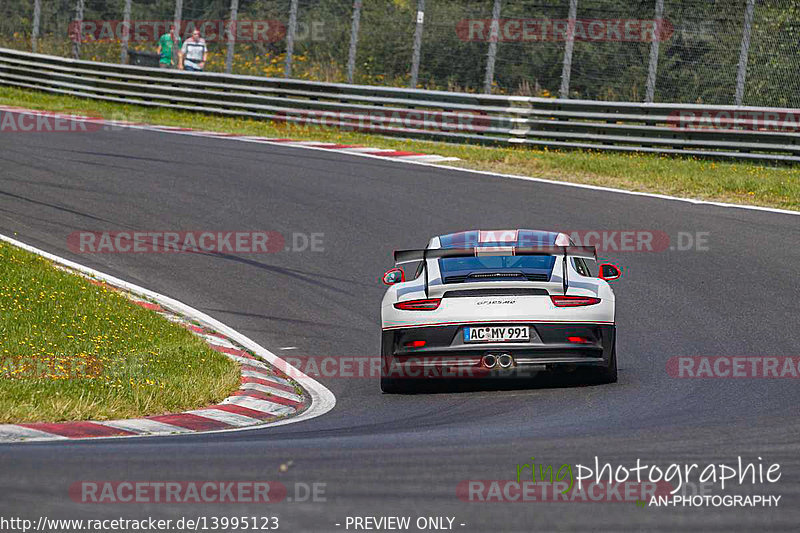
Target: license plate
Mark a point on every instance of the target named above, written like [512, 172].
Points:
[496, 334]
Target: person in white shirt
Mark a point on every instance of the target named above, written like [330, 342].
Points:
[194, 53]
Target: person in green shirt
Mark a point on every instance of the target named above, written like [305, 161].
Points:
[165, 44]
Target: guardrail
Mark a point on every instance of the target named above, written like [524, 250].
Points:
[727, 132]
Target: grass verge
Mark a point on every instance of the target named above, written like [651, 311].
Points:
[740, 183]
[73, 350]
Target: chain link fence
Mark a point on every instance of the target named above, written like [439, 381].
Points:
[738, 52]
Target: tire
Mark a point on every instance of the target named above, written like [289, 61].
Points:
[391, 385]
[397, 385]
[609, 373]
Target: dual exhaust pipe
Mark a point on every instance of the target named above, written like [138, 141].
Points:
[503, 360]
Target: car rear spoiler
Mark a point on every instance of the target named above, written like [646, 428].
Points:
[402, 257]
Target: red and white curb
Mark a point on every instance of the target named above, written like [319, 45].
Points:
[266, 395]
[334, 147]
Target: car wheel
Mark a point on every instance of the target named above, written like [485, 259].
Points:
[609, 373]
[392, 384]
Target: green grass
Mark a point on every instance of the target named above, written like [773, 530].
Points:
[741, 183]
[74, 350]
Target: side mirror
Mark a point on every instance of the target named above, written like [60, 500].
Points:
[395, 275]
[609, 272]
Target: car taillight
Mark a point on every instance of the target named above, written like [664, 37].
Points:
[419, 305]
[573, 301]
[415, 344]
[579, 340]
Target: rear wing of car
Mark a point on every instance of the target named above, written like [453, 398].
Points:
[402, 257]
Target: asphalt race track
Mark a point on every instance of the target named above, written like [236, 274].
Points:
[388, 455]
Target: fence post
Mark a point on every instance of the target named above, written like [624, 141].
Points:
[231, 35]
[417, 43]
[37, 14]
[287, 71]
[653, 66]
[78, 22]
[493, 37]
[741, 73]
[126, 31]
[351, 57]
[178, 37]
[566, 69]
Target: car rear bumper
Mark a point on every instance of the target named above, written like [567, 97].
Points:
[551, 346]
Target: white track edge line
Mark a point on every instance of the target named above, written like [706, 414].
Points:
[322, 399]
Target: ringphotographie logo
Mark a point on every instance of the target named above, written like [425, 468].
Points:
[645, 484]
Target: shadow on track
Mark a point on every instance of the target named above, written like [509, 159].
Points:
[542, 380]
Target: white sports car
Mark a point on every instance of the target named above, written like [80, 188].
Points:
[497, 304]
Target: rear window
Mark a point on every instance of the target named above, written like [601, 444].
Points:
[534, 267]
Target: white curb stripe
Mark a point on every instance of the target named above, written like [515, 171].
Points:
[253, 138]
[246, 361]
[268, 377]
[426, 158]
[307, 143]
[217, 134]
[218, 341]
[249, 362]
[234, 419]
[173, 318]
[269, 390]
[139, 301]
[12, 432]
[359, 149]
[260, 405]
[144, 425]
